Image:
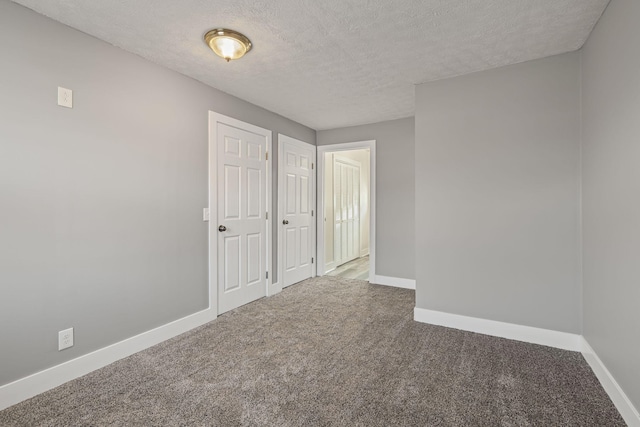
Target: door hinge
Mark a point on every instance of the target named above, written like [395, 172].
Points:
[311, 165]
[311, 212]
[267, 274]
[311, 260]
[266, 215]
[266, 155]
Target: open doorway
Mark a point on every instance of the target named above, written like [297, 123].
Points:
[346, 232]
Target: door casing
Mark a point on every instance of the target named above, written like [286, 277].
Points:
[214, 119]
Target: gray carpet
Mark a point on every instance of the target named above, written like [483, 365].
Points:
[329, 351]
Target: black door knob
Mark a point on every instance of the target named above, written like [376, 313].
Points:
[222, 228]
[285, 222]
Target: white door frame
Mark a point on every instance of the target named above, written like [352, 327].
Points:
[371, 145]
[289, 140]
[214, 119]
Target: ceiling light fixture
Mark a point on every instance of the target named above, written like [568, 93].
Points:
[227, 44]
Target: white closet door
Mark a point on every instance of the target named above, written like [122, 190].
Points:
[346, 193]
[299, 203]
[241, 216]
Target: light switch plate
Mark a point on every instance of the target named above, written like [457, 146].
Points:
[205, 214]
[65, 97]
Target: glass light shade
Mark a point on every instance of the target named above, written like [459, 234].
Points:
[227, 44]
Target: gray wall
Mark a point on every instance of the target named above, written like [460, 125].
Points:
[101, 205]
[610, 190]
[394, 190]
[497, 178]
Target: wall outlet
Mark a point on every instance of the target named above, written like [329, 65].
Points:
[65, 339]
[65, 97]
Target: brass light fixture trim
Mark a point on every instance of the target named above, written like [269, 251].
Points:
[228, 44]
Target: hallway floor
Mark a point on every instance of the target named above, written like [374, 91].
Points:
[356, 269]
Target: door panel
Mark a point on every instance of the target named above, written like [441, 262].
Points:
[232, 146]
[297, 219]
[254, 259]
[305, 188]
[290, 242]
[254, 151]
[305, 241]
[231, 192]
[231, 263]
[241, 215]
[254, 193]
[291, 194]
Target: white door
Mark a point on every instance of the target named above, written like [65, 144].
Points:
[297, 209]
[241, 211]
[346, 193]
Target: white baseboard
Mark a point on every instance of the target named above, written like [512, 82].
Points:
[330, 266]
[37, 383]
[618, 397]
[364, 252]
[396, 282]
[563, 340]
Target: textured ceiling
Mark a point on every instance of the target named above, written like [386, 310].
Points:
[334, 63]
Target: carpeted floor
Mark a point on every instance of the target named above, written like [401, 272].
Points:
[329, 351]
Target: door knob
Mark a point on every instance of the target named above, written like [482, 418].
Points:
[222, 228]
[285, 222]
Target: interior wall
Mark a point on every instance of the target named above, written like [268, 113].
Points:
[610, 189]
[497, 194]
[361, 156]
[395, 179]
[101, 219]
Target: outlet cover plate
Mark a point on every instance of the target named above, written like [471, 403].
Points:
[65, 339]
[65, 97]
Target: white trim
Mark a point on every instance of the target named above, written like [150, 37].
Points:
[213, 215]
[37, 383]
[330, 266]
[271, 290]
[628, 412]
[214, 119]
[563, 340]
[306, 146]
[396, 282]
[371, 145]
[364, 253]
